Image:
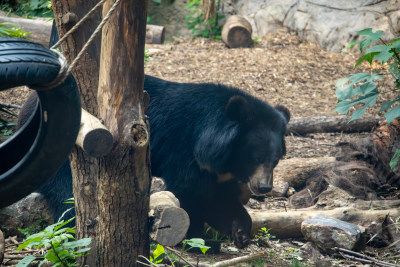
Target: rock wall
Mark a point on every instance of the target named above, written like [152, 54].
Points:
[331, 24]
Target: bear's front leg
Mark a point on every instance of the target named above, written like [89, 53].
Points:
[228, 216]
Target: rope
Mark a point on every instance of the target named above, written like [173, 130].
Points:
[65, 71]
[77, 25]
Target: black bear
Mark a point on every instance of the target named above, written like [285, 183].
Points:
[207, 141]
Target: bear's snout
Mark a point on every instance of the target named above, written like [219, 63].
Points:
[264, 188]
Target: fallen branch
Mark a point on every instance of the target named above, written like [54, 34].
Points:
[238, 260]
[325, 124]
[288, 224]
[362, 258]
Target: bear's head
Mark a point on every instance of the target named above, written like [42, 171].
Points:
[247, 144]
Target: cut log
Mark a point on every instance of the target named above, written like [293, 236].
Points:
[325, 124]
[236, 32]
[155, 34]
[288, 224]
[40, 29]
[94, 138]
[170, 221]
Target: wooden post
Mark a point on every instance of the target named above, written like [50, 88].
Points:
[85, 169]
[123, 188]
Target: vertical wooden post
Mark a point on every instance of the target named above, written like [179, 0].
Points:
[120, 201]
[85, 169]
[123, 187]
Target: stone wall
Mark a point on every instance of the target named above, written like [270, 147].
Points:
[331, 24]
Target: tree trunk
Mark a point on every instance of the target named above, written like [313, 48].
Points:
[85, 169]
[117, 225]
[124, 185]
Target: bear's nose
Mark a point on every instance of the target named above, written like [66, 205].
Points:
[264, 188]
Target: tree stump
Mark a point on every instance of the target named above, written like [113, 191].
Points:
[237, 32]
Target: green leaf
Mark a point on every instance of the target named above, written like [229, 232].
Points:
[344, 92]
[366, 57]
[386, 105]
[371, 37]
[384, 52]
[26, 261]
[83, 250]
[392, 114]
[369, 100]
[197, 243]
[27, 242]
[158, 254]
[51, 256]
[79, 243]
[395, 159]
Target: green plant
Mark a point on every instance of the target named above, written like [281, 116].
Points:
[295, 259]
[213, 235]
[194, 243]
[263, 236]
[8, 29]
[158, 254]
[62, 249]
[360, 88]
[28, 8]
[33, 229]
[200, 27]
[360, 91]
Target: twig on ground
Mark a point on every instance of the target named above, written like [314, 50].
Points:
[238, 260]
[177, 253]
[363, 258]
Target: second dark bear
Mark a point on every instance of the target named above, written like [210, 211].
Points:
[207, 141]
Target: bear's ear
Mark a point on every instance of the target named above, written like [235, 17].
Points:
[237, 109]
[285, 112]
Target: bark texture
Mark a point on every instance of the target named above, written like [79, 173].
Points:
[85, 169]
[123, 188]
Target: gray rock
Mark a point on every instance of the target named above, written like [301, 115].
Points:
[331, 24]
[327, 233]
[31, 211]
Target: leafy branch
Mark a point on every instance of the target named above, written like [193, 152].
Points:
[360, 88]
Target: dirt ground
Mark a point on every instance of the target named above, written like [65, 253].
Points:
[279, 69]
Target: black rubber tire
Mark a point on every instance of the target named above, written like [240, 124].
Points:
[35, 153]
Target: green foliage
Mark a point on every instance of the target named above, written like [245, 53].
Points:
[63, 249]
[33, 229]
[360, 89]
[213, 235]
[195, 243]
[8, 29]
[158, 254]
[28, 8]
[263, 236]
[199, 27]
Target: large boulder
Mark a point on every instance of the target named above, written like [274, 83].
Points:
[331, 24]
